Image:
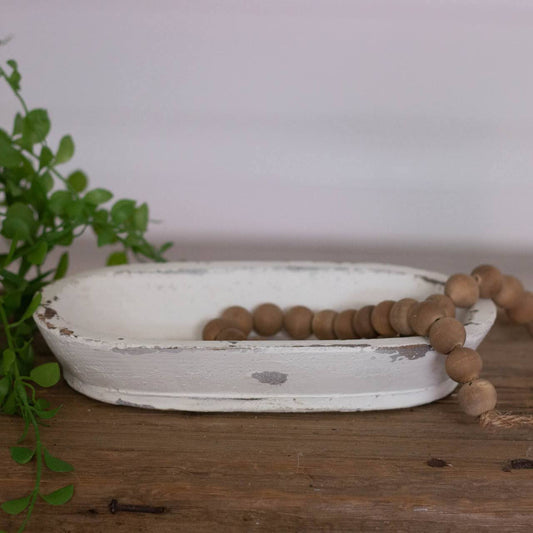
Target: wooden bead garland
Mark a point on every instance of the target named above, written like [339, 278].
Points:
[343, 325]
[463, 290]
[298, 322]
[322, 324]
[362, 323]
[241, 317]
[399, 316]
[379, 319]
[267, 319]
[434, 317]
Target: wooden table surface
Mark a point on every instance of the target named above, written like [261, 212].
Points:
[364, 471]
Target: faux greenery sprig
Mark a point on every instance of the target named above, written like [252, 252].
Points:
[37, 217]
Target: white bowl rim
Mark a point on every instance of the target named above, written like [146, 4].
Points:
[53, 324]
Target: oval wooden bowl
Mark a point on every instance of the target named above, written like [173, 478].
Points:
[130, 335]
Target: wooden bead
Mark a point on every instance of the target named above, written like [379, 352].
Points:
[322, 324]
[380, 319]
[446, 334]
[463, 365]
[445, 303]
[399, 316]
[362, 323]
[462, 289]
[522, 313]
[510, 294]
[423, 315]
[230, 334]
[267, 319]
[214, 327]
[297, 322]
[241, 317]
[489, 279]
[477, 397]
[342, 325]
[529, 327]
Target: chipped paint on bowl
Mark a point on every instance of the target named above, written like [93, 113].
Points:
[129, 335]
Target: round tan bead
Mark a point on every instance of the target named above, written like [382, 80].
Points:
[297, 322]
[267, 319]
[489, 279]
[462, 289]
[214, 327]
[446, 334]
[510, 294]
[445, 303]
[362, 323]
[380, 319]
[463, 365]
[399, 316]
[241, 317]
[322, 324]
[522, 313]
[423, 315]
[477, 397]
[230, 334]
[342, 325]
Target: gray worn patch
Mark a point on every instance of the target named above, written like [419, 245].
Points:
[270, 377]
[120, 401]
[411, 352]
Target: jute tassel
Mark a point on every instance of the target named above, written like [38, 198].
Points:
[498, 420]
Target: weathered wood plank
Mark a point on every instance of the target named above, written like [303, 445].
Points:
[289, 472]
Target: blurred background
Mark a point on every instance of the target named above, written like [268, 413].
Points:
[316, 129]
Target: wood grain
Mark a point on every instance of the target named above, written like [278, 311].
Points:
[288, 472]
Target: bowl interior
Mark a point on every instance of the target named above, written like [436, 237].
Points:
[172, 302]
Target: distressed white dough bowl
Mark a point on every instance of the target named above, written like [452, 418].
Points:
[130, 335]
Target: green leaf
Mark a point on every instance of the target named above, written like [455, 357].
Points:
[10, 405]
[100, 217]
[9, 157]
[106, 236]
[47, 181]
[19, 222]
[4, 387]
[35, 127]
[46, 375]
[165, 247]
[140, 218]
[42, 404]
[16, 506]
[59, 201]
[17, 124]
[13, 64]
[44, 414]
[55, 464]
[46, 157]
[12, 301]
[117, 258]
[98, 196]
[21, 454]
[65, 150]
[77, 180]
[8, 358]
[76, 210]
[60, 496]
[62, 266]
[122, 210]
[38, 255]
[14, 80]
[34, 304]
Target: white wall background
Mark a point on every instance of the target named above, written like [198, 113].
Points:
[312, 121]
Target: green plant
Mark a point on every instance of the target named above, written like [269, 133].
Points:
[36, 218]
